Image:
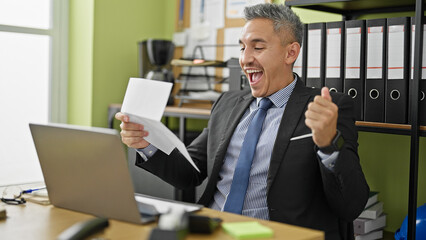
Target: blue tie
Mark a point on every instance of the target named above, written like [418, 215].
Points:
[235, 201]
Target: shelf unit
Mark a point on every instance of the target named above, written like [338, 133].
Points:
[399, 129]
[205, 64]
[351, 9]
[206, 78]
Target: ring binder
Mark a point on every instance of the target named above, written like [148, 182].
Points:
[396, 99]
[334, 56]
[354, 63]
[375, 70]
[422, 82]
[299, 66]
[315, 55]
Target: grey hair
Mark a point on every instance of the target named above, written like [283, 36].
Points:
[281, 16]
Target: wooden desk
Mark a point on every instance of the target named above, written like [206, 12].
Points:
[34, 221]
[186, 112]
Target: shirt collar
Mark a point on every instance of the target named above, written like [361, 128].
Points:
[280, 98]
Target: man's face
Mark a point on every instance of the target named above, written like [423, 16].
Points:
[262, 57]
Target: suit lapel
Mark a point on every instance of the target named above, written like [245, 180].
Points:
[240, 107]
[292, 114]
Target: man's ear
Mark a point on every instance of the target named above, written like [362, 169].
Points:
[293, 50]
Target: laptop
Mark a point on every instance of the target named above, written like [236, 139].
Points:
[85, 169]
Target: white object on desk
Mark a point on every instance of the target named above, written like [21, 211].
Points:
[144, 103]
[164, 206]
[40, 197]
[207, 95]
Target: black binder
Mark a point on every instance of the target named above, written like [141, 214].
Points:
[354, 80]
[422, 103]
[396, 86]
[375, 73]
[334, 64]
[422, 82]
[299, 66]
[315, 55]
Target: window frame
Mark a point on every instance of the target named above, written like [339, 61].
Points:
[58, 62]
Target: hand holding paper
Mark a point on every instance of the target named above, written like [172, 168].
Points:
[144, 103]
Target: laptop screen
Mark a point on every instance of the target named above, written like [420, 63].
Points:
[85, 169]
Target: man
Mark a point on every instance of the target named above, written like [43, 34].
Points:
[303, 168]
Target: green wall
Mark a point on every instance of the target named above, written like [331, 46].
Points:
[103, 55]
[385, 159]
[80, 69]
[103, 51]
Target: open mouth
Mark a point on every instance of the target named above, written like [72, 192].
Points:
[254, 76]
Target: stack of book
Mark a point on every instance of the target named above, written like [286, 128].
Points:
[370, 223]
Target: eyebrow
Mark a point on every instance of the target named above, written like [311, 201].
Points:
[256, 40]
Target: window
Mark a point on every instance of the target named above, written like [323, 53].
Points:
[33, 63]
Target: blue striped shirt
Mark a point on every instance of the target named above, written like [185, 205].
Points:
[255, 204]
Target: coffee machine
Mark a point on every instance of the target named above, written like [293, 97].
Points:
[155, 56]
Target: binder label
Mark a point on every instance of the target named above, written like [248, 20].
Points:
[353, 53]
[396, 52]
[374, 52]
[314, 53]
[413, 29]
[333, 53]
[297, 67]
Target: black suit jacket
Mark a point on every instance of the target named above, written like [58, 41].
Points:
[300, 189]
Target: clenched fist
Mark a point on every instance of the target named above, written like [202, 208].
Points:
[321, 118]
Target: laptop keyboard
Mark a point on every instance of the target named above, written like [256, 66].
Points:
[147, 209]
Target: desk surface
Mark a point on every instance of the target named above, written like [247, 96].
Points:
[34, 221]
[187, 110]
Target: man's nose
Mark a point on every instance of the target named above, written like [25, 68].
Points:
[246, 56]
